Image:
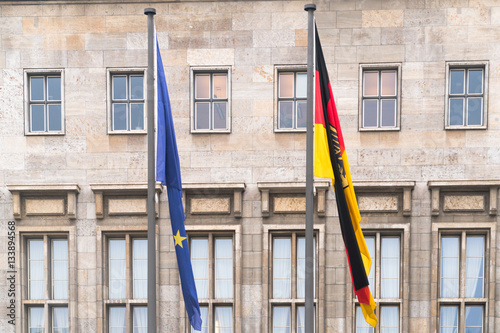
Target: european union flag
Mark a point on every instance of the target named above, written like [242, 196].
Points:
[168, 172]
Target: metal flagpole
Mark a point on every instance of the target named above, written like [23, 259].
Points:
[309, 288]
[150, 12]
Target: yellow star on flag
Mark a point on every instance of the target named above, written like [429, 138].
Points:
[178, 239]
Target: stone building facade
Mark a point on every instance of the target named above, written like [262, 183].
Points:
[417, 88]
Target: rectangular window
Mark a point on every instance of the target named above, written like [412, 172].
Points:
[380, 97]
[211, 100]
[47, 272]
[292, 100]
[213, 266]
[385, 283]
[127, 271]
[127, 101]
[288, 281]
[462, 258]
[44, 107]
[466, 95]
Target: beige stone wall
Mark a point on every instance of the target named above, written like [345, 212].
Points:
[85, 38]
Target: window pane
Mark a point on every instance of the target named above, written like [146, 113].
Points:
[301, 114]
[223, 268]
[199, 260]
[370, 84]
[202, 115]
[202, 83]
[389, 83]
[475, 81]
[457, 82]
[220, 85]
[60, 269]
[301, 89]
[281, 319]
[285, 114]
[449, 266]
[60, 320]
[36, 269]
[224, 319]
[54, 89]
[301, 319]
[301, 266]
[119, 87]
[220, 112]
[55, 117]
[140, 319]
[117, 269]
[370, 113]
[37, 92]
[36, 320]
[474, 111]
[286, 85]
[117, 320]
[137, 87]
[390, 267]
[388, 112]
[474, 267]
[370, 244]
[456, 111]
[136, 117]
[282, 261]
[361, 325]
[389, 319]
[140, 248]
[204, 320]
[473, 319]
[37, 118]
[120, 117]
[449, 319]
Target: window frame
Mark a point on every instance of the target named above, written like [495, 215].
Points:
[193, 71]
[128, 72]
[45, 73]
[466, 65]
[279, 69]
[270, 232]
[379, 67]
[380, 231]
[488, 231]
[217, 231]
[48, 303]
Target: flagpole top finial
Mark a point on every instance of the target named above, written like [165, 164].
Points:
[310, 6]
[148, 11]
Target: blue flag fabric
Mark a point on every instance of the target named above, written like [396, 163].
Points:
[168, 172]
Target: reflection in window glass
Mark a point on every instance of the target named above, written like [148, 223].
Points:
[449, 266]
[120, 117]
[140, 319]
[286, 85]
[389, 319]
[449, 319]
[55, 117]
[117, 269]
[370, 244]
[388, 83]
[457, 82]
[388, 112]
[60, 320]
[119, 87]
[475, 81]
[223, 268]
[137, 87]
[202, 115]
[292, 100]
[36, 269]
[224, 319]
[370, 84]
[211, 111]
[361, 325]
[220, 85]
[37, 118]
[60, 286]
[370, 111]
[456, 111]
[199, 261]
[390, 267]
[281, 319]
[36, 320]
[202, 83]
[117, 320]
[474, 267]
[282, 261]
[474, 112]
[286, 114]
[37, 91]
[140, 268]
[379, 100]
[301, 85]
[473, 319]
[54, 88]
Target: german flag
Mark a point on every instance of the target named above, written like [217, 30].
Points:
[330, 161]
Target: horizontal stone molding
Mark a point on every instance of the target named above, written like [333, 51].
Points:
[44, 199]
[216, 200]
[267, 188]
[468, 201]
[373, 196]
[119, 204]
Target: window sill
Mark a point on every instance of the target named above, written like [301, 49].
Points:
[142, 132]
[45, 133]
[291, 130]
[380, 129]
[210, 131]
[462, 128]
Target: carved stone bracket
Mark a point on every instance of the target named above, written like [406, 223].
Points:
[406, 187]
[46, 199]
[125, 206]
[213, 191]
[490, 186]
[267, 188]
